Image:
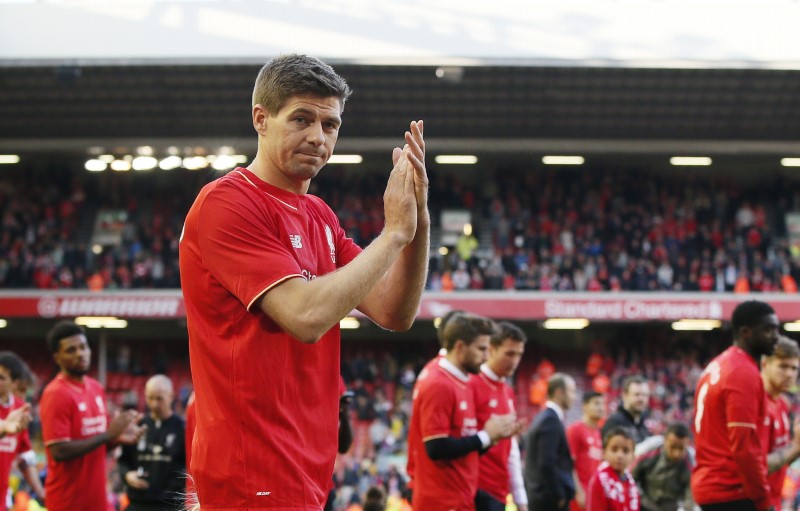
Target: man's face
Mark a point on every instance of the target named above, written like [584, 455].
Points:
[595, 409]
[300, 138]
[5, 383]
[675, 447]
[74, 355]
[636, 398]
[565, 397]
[159, 401]
[761, 339]
[474, 354]
[504, 359]
[780, 373]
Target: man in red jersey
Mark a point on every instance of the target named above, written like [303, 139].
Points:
[730, 409]
[444, 425]
[75, 426]
[500, 467]
[15, 442]
[267, 273]
[412, 440]
[586, 445]
[779, 372]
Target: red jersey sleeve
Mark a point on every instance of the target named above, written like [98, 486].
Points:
[596, 499]
[56, 413]
[24, 442]
[745, 418]
[239, 244]
[436, 412]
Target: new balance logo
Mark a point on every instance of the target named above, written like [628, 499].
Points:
[263, 493]
[297, 242]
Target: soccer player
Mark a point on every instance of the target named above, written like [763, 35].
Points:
[586, 445]
[267, 273]
[730, 409]
[75, 426]
[444, 423]
[500, 467]
[612, 487]
[779, 372]
[154, 470]
[411, 439]
[15, 442]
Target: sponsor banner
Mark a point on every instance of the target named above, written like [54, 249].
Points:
[622, 307]
[121, 305]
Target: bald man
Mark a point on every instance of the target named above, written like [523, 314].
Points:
[154, 469]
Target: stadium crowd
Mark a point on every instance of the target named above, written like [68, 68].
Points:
[608, 230]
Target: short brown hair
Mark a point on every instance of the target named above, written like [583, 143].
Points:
[293, 75]
[466, 327]
[785, 348]
[506, 330]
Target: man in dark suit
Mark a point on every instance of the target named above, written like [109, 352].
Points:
[548, 463]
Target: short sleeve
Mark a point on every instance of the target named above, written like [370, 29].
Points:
[742, 404]
[57, 415]
[239, 244]
[436, 411]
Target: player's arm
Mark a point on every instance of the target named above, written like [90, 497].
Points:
[394, 301]
[743, 417]
[345, 439]
[575, 443]
[308, 309]
[779, 458]
[64, 450]
[16, 421]
[517, 484]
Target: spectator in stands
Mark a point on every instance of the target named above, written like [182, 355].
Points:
[730, 409]
[586, 445]
[632, 411]
[74, 418]
[154, 470]
[548, 462]
[663, 474]
[15, 442]
[446, 439]
[500, 467]
[779, 373]
[293, 300]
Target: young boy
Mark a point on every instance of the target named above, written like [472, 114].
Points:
[612, 487]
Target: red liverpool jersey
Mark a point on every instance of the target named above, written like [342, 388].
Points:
[730, 410]
[608, 491]
[586, 446]
[443, 407]
[10, 447]
[493, 397]
[777, 436]
[74, 411]
[266, 433]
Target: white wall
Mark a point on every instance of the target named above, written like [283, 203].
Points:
[662, 33]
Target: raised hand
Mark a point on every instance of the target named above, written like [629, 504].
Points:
[16, 421]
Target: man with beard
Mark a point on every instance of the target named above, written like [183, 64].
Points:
[444, 426]
[779, 372]
[730, 410]
[75, 426]
[632, 412]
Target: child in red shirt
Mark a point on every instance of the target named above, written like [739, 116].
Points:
[612, 487]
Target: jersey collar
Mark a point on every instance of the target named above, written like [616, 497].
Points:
[452, 369]
[490, 374]
[289, 199]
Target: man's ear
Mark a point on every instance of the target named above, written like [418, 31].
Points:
[260, 116]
